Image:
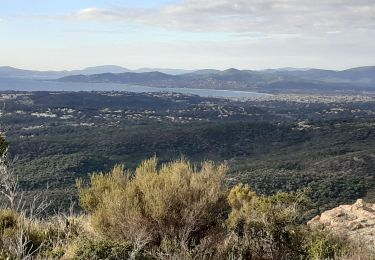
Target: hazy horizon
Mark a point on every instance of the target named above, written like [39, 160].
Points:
[182, 69]
[187, 34]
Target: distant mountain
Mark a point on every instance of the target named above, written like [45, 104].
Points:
[286, 69]
[101, 69]
[10, 72]
[227, 79]
[205, 72]
[270, 80]
[127, 77]
[361, 75]
[166, 71]
[283, 80]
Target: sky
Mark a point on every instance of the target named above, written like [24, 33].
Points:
[187, 34]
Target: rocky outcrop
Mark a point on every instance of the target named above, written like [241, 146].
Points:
[355, 221]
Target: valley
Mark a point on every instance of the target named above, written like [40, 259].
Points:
[274, 143]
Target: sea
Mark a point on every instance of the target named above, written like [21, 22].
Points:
[30, 85]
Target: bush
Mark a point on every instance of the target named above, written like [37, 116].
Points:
[324, 245]
[60, 233]
[8, 219]
[178, 211]
[17, 228]
[4, 255]
[54, 252]
[177, 201]
[3, 145]
[101, 183]
[102, 250]
[27, 237]
[266, 227]
[172, 211]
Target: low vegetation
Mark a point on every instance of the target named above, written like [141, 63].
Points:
[176, 202]
[175, 210]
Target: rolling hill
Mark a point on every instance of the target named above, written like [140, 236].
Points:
[310, 80]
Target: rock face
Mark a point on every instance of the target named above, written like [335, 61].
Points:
[355, 221]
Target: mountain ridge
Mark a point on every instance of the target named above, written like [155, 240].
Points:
[312, 80]
[284, 80]
[12, 72]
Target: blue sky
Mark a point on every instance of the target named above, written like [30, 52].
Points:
[191, 34]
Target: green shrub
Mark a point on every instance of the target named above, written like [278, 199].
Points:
[31, 235]
[18, 229]
[58, 234]
[267, 227]
[102, 250]
[173, 211]
[3, 145]
[4, 255]
[100, 184]
[176, 201]
[54, 252]
[324, 245]
[8, 219]
[36, 236]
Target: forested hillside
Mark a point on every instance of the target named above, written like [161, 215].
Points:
[274, 145]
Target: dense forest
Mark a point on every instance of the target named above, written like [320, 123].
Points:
[273, 145]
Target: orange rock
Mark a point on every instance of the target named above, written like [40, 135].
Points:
[356, 221]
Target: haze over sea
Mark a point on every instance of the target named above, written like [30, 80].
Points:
[11, 84]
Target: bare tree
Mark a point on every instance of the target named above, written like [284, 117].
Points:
[12, 197]
[10, 190]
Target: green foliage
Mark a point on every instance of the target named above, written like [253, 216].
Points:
[176, 201]
[101, 184]
[268, 226]
[324, 245]
[3, 145]
[4, 255]
[8, 219]
[25, 237]
[101, 250]
[9, 223]
[176, 210]
[332, 154]
[239, 199]
[16, 228]
[53, 252]
[35, 237]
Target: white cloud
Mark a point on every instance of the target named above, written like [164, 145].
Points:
[246, 34]
[268, 16]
